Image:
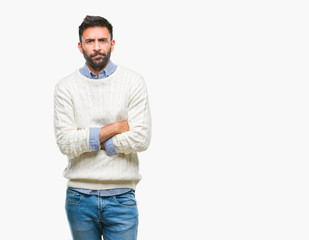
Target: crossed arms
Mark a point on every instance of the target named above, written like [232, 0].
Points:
[127, 137]
[111, 130]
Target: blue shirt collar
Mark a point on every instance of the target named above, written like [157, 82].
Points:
[107, 71]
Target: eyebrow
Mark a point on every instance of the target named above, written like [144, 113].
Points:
[92, 39]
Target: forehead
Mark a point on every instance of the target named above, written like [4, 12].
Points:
[96, 32]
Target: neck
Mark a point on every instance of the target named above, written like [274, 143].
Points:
[96, 70]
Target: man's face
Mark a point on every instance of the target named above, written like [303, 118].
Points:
[96, 46]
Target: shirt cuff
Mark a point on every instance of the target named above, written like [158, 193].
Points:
[109, 147]
[94, 139]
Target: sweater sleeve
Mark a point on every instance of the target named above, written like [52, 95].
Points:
[137, 139]
[71, 140]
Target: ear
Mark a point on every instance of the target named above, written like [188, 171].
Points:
[80, 47]
[112, 45]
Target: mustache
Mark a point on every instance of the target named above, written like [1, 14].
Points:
[98, 54]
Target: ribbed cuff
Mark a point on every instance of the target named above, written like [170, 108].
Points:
[94, 139]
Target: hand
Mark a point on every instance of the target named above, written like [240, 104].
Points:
[102, 146]
[112, 129]
[123, 127]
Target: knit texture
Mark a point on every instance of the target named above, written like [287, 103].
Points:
[81, 103]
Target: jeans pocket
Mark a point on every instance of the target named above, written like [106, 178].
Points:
[73, 197]
[126, 199]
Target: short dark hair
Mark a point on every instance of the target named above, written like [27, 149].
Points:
[94, 21]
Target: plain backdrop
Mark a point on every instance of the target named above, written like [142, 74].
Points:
[228, 88]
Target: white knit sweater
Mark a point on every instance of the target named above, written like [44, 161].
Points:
[81, 103]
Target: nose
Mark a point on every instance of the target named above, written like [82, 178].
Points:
[97, 46]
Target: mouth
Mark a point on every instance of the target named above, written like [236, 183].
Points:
[98, 57]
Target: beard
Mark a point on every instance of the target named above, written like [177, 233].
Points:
[95, 62]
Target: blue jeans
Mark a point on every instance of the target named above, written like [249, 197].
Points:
[91, 216]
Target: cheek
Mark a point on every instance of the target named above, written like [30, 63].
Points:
[87, 51]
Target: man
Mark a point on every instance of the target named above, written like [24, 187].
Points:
[102, 119]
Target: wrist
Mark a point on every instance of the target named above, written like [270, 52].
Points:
[109, 131]
[117, 128]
